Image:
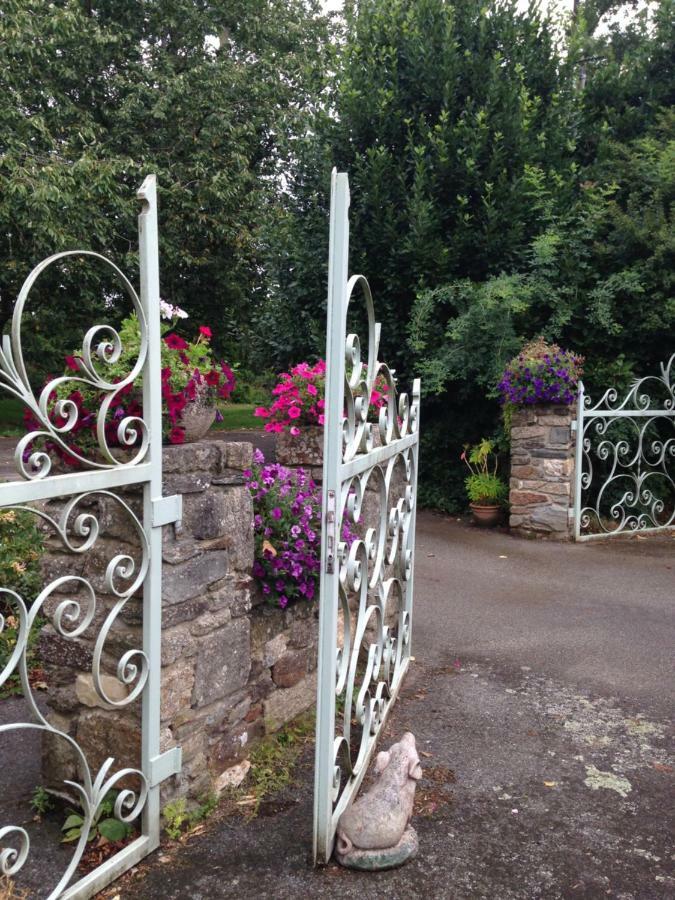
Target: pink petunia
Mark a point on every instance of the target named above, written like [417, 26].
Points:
[294, 412]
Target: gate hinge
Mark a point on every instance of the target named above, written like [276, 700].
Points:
[573, 425]
[330, 532]
[165, 765]
[570, 514]
[166, 510]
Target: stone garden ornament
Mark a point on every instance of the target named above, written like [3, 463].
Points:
[375, 832]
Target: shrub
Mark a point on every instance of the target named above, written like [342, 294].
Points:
[541, 373]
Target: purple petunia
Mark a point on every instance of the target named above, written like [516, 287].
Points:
[286, 522]
[541, 374]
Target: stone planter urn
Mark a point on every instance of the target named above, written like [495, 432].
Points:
[197, 417]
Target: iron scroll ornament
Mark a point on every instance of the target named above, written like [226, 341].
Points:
[71, 618]
[375, 569]
[79, 603]
[101, 342]
[626, 457]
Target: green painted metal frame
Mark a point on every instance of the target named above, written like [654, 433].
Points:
[145, 470]
[353, 464]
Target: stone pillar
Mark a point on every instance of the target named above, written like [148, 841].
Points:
[542, 471]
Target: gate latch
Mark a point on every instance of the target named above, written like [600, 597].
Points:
[330, 532]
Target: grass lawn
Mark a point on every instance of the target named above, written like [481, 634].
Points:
[236, 417]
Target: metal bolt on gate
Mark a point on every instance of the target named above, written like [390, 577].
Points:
[370, 487]
[78, 528]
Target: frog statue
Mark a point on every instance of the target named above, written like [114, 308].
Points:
[374, 832]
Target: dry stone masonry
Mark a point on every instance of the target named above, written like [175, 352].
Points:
[542, 471]
[233, 668]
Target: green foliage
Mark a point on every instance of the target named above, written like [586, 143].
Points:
[273, 761]
[486, 489]
[104, 825]
[253, 387]
[483, 485]
[94, 96]
[41, 801]
[20, 553]
[509, 179]
[178, 818]
[11, 417]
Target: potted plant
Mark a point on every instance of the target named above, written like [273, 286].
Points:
[541, 373]
[297, 412]
[192, 381]
[485, 489]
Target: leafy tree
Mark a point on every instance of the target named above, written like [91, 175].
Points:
[94, 95]
[509, 178]
[439, 109]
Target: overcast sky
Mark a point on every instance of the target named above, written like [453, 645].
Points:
[563, 5]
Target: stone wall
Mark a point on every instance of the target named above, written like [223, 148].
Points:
[233, 668]
[542, 471]
[304, 450]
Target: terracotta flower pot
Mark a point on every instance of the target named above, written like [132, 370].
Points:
[197, 417]
[485, 514]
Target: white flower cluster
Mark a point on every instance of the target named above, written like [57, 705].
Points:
[167, 311]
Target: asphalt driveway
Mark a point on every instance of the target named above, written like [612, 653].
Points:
[541, 696]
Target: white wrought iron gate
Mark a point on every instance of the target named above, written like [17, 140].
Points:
[625, 459]
[74, 604]
[367, 550]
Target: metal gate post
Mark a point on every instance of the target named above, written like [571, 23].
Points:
[366, 571]
[338, 259]
[157, 512]
[578, 426]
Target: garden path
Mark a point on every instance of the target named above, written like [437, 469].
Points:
[540, 695]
